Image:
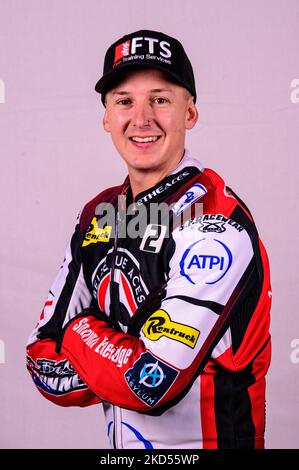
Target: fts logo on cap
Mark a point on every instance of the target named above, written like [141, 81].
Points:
[143, 45]
[122, 50]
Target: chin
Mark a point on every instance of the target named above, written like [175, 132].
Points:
[144, 163]
[144, 166]
[148, 165]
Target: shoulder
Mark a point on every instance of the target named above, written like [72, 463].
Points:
[220, 198]
[108, 196]
[216, 243]
[209, 189]
[220, 219]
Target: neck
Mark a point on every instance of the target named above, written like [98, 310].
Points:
[141, 180]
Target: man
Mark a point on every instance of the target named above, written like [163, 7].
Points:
[163, 317]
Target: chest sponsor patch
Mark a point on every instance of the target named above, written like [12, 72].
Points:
[95, 234]
[132, 290]
[160, 324]
[217, 223]
[196, 192]
[169, 183]
[206, 261]
[150, 378]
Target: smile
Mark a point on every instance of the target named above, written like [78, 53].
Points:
[145, 139]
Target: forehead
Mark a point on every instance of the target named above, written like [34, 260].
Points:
[144, 79]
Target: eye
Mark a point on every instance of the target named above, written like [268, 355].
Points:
[124, 101]
[160, 100]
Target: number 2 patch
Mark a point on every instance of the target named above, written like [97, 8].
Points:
[153, 238]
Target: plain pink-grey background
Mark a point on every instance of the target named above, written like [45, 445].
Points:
[55, 156]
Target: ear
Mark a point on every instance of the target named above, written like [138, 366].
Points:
[106, 125]
[192, 114]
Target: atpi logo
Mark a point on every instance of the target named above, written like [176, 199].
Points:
[206, 261]
[143, 45]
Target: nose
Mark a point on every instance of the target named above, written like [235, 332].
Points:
[142, 115]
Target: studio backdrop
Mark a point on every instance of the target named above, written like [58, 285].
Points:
[55, 156]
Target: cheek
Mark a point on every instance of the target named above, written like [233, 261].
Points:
[174, 123]
[118, 125]
[176, 129]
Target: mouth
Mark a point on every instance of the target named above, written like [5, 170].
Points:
[144, 142]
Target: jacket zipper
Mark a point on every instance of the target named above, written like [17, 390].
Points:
[114, 321]
[117, 428]
[113, 295]
[112, 284]
[114, 426]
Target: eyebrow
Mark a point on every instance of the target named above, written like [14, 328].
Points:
[154, 90]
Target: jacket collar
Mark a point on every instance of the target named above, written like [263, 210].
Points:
[187, 160]
[187, 168]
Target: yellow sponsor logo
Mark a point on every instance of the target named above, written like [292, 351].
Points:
[96, 234]
[160, 324]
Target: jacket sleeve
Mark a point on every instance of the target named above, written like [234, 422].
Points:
[52, 373]
[209, 276]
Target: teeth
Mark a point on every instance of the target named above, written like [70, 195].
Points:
[145, 139]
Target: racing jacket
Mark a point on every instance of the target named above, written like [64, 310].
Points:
[169, 328]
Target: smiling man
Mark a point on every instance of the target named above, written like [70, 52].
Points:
[148, 116]
[168, 326]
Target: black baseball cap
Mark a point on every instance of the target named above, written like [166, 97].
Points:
[146, 49]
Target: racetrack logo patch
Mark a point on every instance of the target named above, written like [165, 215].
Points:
[207, 223]
[160, 324]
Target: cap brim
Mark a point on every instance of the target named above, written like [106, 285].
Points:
[108, 81]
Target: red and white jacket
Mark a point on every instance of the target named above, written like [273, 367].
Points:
[168, 330]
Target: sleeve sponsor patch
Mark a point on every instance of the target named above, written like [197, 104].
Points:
[150, 378]
[207, 260]
[54, 377]
[194, 193]
[160, 324]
